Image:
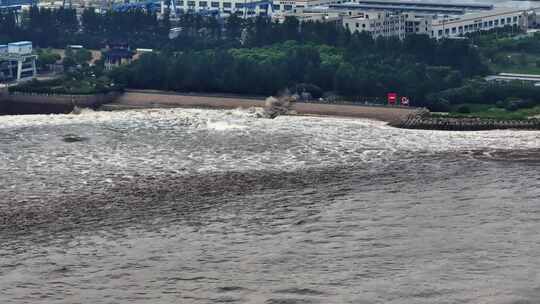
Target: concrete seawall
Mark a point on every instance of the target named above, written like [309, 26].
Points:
[26, 103]
[3, 105]
[146, 99]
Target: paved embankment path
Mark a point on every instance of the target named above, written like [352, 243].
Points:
[144, 99]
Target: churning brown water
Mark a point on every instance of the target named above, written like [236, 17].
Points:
[194, 206]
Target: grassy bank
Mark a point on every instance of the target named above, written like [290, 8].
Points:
[516, 62]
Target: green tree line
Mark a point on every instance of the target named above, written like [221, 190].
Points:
[59, 27]
[380, 66]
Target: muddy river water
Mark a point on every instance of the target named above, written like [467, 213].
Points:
[199, 206]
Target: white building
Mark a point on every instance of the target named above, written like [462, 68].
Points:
[387, 24]
[376, 23]
[455, 26]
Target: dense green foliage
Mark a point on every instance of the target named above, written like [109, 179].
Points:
[46, 57]
[60, 27]
[81, 82]
[509, 50]
[362, 68]
[490, 111]
[507, 95]
[77, 57]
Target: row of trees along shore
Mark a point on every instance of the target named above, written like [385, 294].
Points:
[258, 56]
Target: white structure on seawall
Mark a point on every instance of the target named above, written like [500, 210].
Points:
[17, 61]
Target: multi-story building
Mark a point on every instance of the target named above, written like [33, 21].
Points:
[378, 24]
[454, 26]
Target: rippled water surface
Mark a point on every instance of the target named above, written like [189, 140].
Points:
[197, 206]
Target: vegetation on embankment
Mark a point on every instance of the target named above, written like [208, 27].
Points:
[77, 83]
[491, 112]
[509, 50]
[511, 96]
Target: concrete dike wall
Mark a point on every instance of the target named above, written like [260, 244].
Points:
[3, 94]
[28, 103]
[140, 99]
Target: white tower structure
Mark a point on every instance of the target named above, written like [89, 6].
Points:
[17, 61]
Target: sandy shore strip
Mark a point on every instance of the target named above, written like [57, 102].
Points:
[157, 99]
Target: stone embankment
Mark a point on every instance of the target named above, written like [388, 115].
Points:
[423, 120]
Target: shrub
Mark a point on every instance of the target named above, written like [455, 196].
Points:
[463, 109]
[312, 89]
[519, 104]
[440, 105]
[501, 104]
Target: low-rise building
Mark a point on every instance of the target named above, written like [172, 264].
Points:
[117, 54]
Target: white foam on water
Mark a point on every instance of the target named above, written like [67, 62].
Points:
[223, 126]
[182, 140]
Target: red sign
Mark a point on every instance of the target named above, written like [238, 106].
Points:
[404, 101]
[392, 98]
